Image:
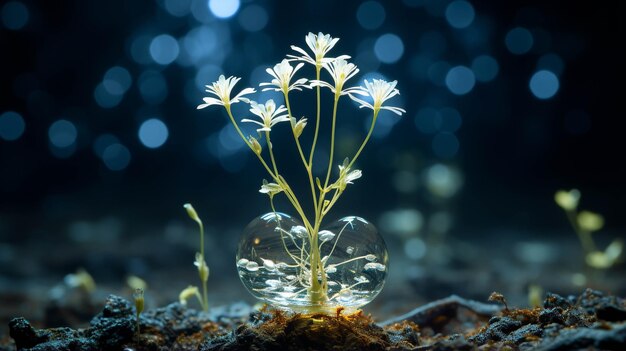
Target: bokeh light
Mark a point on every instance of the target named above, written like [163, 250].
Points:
[450, 119]
[519, 40]
[485, 68]
[178, 8]
[460, 80]
[12, 126]
[544, 84]
[140, 49]
[200, 44]
[104, 98]
[116, 157]
[117, 80]
[153, 133]
[62, 133]
[15, 15]
[224, 8]
[370, 15]
[460, 14]
[437, 73]
[253, 18]
[389, 48]
[415, 248]
[551, 62]
[102, 142]
[164, 49]
[405, 222]
[443, 180]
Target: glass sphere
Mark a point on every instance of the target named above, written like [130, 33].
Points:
[274, 262]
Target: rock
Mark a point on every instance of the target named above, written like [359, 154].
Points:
[551, 315]
[584, 338]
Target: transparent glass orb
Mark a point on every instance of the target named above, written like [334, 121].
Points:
[274, 262]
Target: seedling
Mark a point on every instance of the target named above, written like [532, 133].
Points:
[297, 262]
[585, 223]
[139, 306]
[200, 263]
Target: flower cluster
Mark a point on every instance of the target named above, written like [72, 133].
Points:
[332, 73]
[373, 95]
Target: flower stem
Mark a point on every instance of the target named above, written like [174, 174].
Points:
[307, 166]
[367, 138]
[205, 297]
[317, 119]
[271, 151]
[232, 119]
[332, 140]
[274, 174]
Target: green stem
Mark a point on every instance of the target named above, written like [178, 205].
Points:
[332, 139]
[205, 296]
[307, 166]
[232, 119]
[271, 151]
[586, 241]
[367, 138]
[275, 176]
[317, 120]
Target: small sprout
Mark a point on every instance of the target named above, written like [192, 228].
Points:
[139, 305]
[590, 221]
[585, 223]
[81, 279]
[497, 297]
[535, 295]
[607, 258]
[134, 282]
[200, 263]
[567, 200]
[187, 293]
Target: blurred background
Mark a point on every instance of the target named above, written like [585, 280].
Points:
[101, 143]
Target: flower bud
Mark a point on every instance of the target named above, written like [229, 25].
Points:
[192, 213]
[203, 269]
[254, 144]
[187, 293]
[139, 300]
[299, 127]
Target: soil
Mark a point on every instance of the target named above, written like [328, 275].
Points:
[591, 321]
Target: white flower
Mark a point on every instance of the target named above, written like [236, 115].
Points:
[346, 176]
[283, 73]
[340, 70]
[380, 91]
[269, 114]
[270, 189]
[222, 89]
[320, 44]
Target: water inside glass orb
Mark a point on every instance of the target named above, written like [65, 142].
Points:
[274, 262]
